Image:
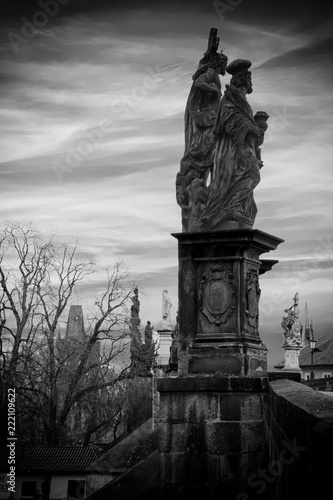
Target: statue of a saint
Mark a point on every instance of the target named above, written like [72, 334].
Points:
[200, 114]
[290, 324]
[237, 166]
[173, 360]
[166, 310]
[149, 333]
[135, 311]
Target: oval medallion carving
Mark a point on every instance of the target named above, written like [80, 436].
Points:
[217, 297]
[217, 289]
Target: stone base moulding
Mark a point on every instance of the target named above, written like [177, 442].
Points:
[291, 358]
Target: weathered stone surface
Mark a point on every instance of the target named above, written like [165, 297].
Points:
[248, 384]
[222, 363]
[182, 437]
[229, 467]
[252, 437]
[192, 408]
[223, 437]
[241, 407]
[218, 301]
[214, 434]
[300, 434]
[183, 468]
[176, 491]
[211, 384]
[283, 375]
[213, 468]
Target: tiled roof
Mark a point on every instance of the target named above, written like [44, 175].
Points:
[323, 355]
[50, 458]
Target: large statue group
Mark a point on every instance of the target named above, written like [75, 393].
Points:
[221, 163]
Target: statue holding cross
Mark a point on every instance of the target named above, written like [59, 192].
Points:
[222, 160]
[200, 114]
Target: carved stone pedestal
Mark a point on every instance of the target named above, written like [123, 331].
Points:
[291, 358]
[165, 340]
[218, 301]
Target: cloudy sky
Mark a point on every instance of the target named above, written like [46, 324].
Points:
[92, 102]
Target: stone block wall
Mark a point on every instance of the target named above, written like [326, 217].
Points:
[300, 439]
[139, 401]
[212, 436]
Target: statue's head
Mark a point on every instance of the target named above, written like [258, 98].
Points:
[241, 76]
[218, 62]
[214, 60]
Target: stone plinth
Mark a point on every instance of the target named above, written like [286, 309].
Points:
[291, 358]
[165, 340]
[212, 436]
[219, 301]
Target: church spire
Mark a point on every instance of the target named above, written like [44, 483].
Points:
[307, 327]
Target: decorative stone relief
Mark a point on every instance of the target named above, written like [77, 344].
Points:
[252, 298]
[216, 294]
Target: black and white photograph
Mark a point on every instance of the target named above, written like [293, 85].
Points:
[166, 249]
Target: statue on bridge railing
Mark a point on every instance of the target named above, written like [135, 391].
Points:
[291, 325]
[200, 114]
[222, 138]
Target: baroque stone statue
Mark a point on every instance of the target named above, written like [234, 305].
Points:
[200, 114]
[142, 355]
[291, 325]
[166, 310]
[135, 315]
[173, 360]
[226, 144]
[149, 333]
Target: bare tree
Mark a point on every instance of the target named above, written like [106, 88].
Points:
[37, 282]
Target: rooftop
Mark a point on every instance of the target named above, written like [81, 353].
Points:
[50, 458]
[323, 355]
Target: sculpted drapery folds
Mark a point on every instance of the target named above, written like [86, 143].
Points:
[228, 150]
[200, 115]
[237, 162]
